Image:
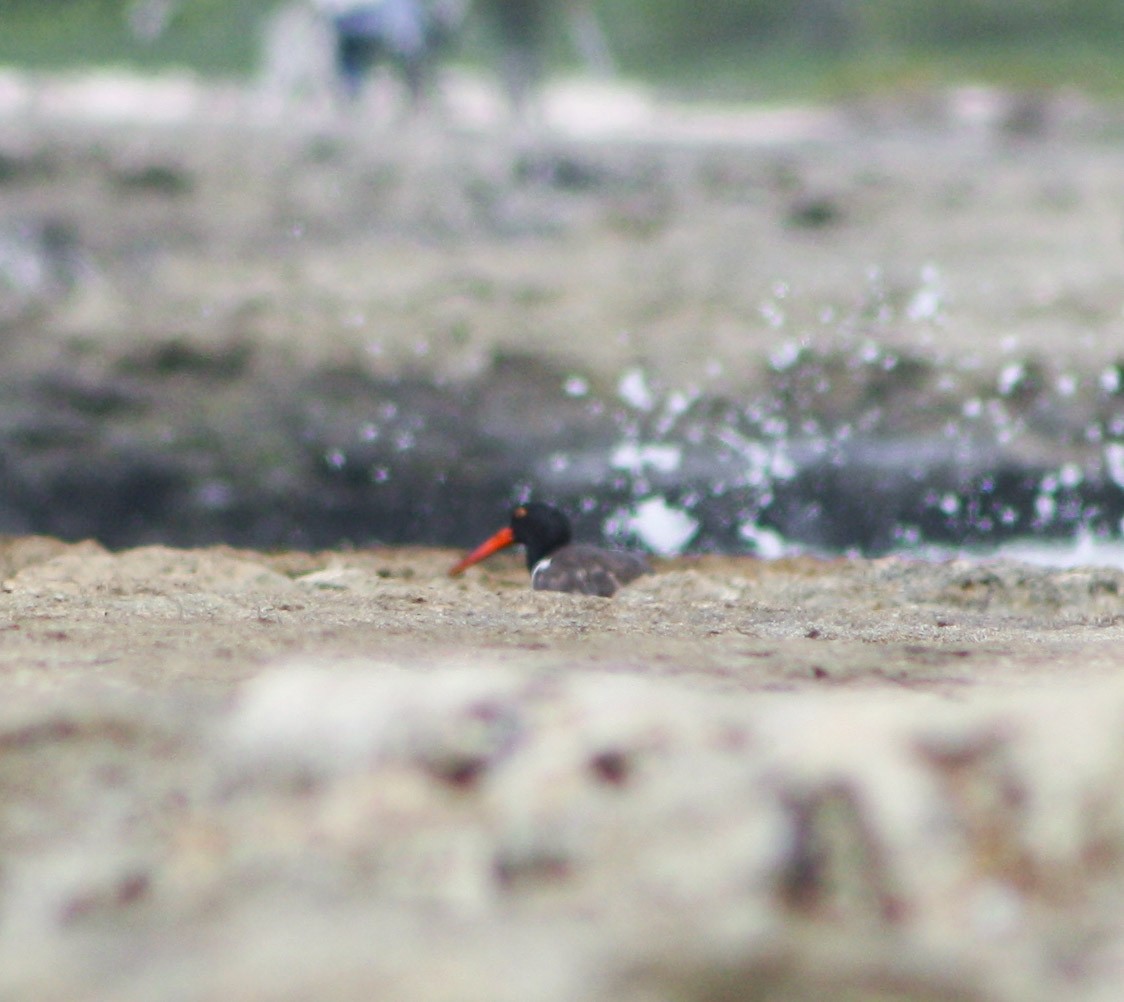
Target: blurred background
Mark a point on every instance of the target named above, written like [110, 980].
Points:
[829, 276]
[743, 48]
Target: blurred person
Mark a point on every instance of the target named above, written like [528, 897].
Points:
[408, 35]
[523, 30]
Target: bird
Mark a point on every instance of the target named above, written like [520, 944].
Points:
[555, 563]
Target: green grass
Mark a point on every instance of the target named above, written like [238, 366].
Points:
[212, 36]
[222, 37]
[780, 71]
[1091, 66]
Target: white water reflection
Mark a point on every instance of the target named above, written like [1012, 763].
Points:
[1083, 550]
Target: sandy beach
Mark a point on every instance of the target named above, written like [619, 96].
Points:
[294, 768]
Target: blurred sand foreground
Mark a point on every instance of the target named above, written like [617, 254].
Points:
[346, 776]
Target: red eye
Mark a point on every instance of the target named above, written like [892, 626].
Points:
[520, 513]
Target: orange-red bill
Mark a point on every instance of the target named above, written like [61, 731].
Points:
[502, 539]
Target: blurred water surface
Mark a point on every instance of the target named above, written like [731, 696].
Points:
[869, 327]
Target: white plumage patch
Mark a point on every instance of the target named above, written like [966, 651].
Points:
[541, 567]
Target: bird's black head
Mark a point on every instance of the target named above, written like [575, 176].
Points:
[541, 528]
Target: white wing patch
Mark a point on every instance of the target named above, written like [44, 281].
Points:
[540, 568]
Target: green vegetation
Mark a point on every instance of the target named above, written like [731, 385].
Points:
[755, 48]
[213, 36]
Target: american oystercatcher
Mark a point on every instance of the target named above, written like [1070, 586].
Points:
[555, 563]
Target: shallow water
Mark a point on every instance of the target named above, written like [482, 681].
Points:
[895, 328]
